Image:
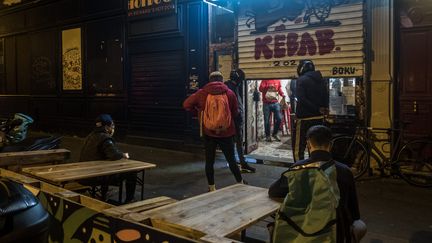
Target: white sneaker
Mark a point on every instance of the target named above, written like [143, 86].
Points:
[211, 188]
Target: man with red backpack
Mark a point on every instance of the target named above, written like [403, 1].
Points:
[216, 105]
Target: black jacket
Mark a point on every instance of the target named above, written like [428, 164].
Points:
[312, 94]
[348, 209]
[236, 89]
[100, 146]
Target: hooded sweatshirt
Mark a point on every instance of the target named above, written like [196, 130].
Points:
[196, 103]
[312, 94]
[265, 86]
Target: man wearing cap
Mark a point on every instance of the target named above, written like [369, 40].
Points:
[99, 145]
[212, 138]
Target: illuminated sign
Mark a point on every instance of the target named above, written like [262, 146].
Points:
[151, 7]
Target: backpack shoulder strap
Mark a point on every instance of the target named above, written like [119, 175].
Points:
[314, 165]
[298, 229]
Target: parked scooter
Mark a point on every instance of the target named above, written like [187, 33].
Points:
[13, 136]
[22, 217]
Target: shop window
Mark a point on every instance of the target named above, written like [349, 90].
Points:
[105, 56]
[223, 25]
[342, 95]
[43, 62]
[9, 55]
[23, 64]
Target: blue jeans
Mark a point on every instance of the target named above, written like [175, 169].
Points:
[276, 109]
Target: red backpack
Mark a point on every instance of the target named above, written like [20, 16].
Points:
[217, 114]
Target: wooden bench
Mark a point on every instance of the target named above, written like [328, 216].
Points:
[16, 160]
[213, 216]
[77, 187]
[35, 186]
[140, 206]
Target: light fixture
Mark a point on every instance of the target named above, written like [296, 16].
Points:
[213, 4]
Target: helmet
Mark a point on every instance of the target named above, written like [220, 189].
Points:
[22, 217]
[234, 75]
[237, 75]
[305, 66]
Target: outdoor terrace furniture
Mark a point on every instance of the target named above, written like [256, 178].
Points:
[75, 217]
[212, 216]
[64, 173]
[140, 206]
[17, 160]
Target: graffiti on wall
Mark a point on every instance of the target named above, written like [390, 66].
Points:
[264, 14]
[71, 59]
[42, 73]
[275, 35]
[290, 45]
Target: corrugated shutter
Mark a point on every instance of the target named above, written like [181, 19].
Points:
[334, 44]
[157, 93]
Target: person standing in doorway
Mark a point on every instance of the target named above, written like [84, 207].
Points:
[237, 77]
[312, 104]
[271, 90]
[216, 105]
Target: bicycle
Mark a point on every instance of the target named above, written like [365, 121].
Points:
[411, 160]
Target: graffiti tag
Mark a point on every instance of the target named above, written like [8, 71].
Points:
[344, 70]
[290, 44]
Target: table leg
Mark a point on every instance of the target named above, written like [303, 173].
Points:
[120, 192]
[142, 185]
[93, 191]
[243, 235]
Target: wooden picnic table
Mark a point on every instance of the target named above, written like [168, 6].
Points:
[64, 173]
[27, 158]
[217, 214]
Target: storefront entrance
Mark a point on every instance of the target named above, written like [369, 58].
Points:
[256, 146]
[274, 36]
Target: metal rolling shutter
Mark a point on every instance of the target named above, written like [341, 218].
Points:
[273, 51]
[156, 94]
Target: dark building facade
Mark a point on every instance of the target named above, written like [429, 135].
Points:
[64, 62]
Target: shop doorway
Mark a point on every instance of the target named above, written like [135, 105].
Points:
[344, 112]
[256, 146]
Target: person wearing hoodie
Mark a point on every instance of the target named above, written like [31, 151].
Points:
[271, 90]
[237, 77]
[224, 138]
[312, 104]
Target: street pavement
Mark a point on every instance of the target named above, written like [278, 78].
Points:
[393, 210]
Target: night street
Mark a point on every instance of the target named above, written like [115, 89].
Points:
[393, 210]
[157, 99]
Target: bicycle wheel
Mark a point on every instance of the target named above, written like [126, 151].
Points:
[356, 156]
[414, 162]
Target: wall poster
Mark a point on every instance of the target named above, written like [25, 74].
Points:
[224, 65]
[71, 59]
